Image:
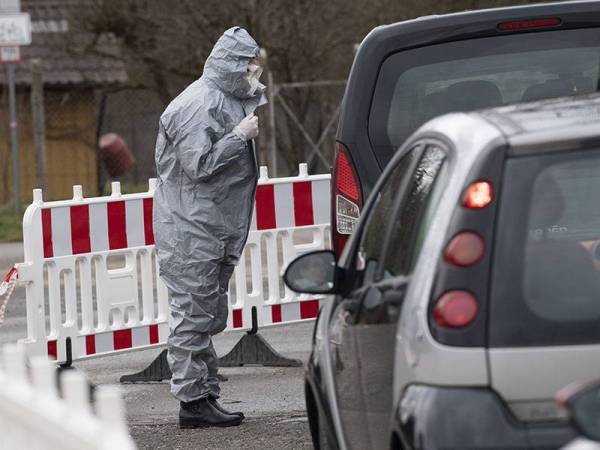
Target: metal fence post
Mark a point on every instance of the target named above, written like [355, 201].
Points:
[14, 145]
[39, 123]
[273, 138]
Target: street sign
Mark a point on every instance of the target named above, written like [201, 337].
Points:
[15, 29]
[10, 6]
[10, 54]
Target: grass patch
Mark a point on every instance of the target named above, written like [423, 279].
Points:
[11, 228]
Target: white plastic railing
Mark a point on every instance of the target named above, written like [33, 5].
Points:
[91, 273]
[34, 417]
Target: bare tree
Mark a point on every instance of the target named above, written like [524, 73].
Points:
[164, 45]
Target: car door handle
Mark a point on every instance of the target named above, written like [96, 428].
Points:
[394, 296]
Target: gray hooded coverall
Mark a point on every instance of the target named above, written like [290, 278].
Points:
[202, 207]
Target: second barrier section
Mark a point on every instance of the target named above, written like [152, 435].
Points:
[91, 272]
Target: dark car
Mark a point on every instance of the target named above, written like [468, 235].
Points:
[469, 293]
[407, 73]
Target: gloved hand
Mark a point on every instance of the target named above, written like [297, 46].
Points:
[248, 128]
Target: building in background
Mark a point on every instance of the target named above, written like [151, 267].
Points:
[77, 71]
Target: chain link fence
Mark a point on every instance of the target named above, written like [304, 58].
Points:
[303, 130]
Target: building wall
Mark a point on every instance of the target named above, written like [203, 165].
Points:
[70, 145]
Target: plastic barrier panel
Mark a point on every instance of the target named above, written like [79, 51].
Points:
[91, 273]
[33, 416]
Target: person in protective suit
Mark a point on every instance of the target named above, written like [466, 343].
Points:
[207, 175]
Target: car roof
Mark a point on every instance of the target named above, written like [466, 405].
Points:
[551, 125]
[474, 17]
[568, 123]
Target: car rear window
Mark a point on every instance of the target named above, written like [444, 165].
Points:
[419, 84]
[546, 276]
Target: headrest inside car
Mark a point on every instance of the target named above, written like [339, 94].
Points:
[549, 89]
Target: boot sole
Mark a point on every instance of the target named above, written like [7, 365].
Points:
[186, 424]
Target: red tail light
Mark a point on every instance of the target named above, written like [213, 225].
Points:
[465, 249]
[455, 309]
[529, 24]
[478, 195]
[346, 198]
[346, 182]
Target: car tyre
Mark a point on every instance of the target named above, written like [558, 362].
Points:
[324, 441]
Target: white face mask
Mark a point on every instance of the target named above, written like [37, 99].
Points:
[253, 76]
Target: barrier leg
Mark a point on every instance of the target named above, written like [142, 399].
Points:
[158, 370]
[253, 349]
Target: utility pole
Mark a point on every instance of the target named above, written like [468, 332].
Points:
[39, 123]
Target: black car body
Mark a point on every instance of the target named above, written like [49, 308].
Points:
[407, 73]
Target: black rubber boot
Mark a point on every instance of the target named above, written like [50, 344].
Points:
[215, 403]
[202, 414]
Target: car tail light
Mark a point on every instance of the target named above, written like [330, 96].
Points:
[530, 24]
[465, 249]
[346, 198]
[478, 195]
[455, 309]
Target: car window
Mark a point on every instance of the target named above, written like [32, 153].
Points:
[415, 213]
[546, 285]
[417, 85]
[371, 244]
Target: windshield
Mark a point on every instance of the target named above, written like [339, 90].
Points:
[546, 275]
[417, 85]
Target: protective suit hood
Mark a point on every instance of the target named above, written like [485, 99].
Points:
[227, 64]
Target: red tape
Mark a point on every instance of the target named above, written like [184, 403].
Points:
[6, 289]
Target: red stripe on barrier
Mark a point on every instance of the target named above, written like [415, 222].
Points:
[237, 318]
[90, 344]
[117, 234]
[153, 334]
[122, 339]
[309, 309]
[265, 207]
[148, 229]
[276, 313]
[47, 232]
[80, 229]
[52, 350]
[303, 208]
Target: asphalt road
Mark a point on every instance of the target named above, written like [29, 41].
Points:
[271, 398]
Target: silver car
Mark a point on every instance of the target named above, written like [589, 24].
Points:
[469, 293]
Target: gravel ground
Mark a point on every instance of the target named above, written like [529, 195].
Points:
[286, 431]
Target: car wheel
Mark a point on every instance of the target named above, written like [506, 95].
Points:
[324, 441]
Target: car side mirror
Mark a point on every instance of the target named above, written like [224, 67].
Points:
[583, 404]
[313, 273]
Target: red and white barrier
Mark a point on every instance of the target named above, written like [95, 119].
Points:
[92, 280]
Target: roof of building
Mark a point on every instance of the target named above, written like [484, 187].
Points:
[69, 56]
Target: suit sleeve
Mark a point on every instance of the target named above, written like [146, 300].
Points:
[198, 155]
